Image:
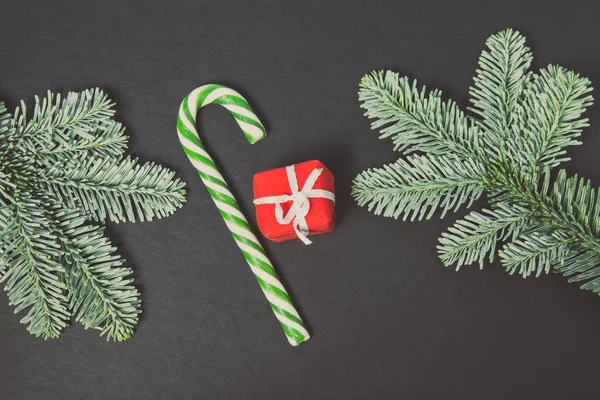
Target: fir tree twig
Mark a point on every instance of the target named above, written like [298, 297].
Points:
[522, 123]
[61, 167]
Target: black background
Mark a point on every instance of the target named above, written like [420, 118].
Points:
[388, 320]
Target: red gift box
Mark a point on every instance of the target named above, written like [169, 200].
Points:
[295, 201]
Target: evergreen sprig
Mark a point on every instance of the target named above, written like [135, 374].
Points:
[520, 126]
[60, 168]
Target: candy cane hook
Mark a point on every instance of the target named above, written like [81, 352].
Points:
[230, 211]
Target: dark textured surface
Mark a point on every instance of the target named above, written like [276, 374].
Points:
[388, 321]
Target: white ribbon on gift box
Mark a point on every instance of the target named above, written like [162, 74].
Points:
[300, 206]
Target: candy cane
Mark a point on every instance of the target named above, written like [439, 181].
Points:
[230, 211]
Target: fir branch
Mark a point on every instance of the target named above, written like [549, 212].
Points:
[30, 251]
[551, 118]
[414, 188]
[117, 189]
[100, 292]
[415, 120]
[569, 208]
[82, 111]
[475, 237]
[58, 168]
[527, 120]
[106, 140]
[581, 265]
[569, 204]
[533, 253]
[500, 80]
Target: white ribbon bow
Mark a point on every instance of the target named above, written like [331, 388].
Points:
[300, 206]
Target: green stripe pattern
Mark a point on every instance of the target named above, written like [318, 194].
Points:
[230, 211]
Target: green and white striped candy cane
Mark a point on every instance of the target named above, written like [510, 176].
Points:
[230, 211]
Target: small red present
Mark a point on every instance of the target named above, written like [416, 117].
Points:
[295, 201]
